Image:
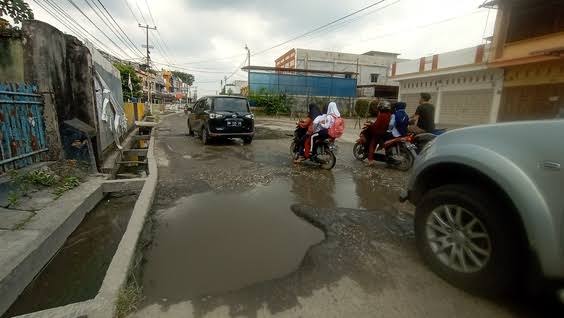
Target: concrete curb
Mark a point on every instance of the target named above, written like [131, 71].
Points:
[104, 304]
[117, 274]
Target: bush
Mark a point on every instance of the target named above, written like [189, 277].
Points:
[361, 107]
[271, 103]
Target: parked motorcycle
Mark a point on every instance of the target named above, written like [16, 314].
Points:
[398, 153]
[326, 149]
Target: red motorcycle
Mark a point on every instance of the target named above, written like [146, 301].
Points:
[398, 153]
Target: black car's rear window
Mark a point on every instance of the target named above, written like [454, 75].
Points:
[237, 105]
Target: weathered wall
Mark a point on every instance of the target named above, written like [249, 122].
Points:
[62, 67]
[109, 99]
[11, 59]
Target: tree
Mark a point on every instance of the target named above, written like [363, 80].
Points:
[125, 71]
[185, 77]
[18, 10]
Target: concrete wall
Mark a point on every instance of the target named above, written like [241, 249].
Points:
[407, 67]
[62, 67]
[11, 59]
[460, 98]
[346, 62]
[460, 57]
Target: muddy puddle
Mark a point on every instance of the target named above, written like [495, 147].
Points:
[76, 272]
[212, 243]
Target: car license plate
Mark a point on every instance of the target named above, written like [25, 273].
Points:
[234, 124]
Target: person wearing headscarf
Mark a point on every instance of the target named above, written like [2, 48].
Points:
[305, 128]
[321, 125]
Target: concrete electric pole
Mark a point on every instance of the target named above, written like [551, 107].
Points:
[249, 70]
[148, 57]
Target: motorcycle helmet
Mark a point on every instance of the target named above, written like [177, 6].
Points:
[385, 106]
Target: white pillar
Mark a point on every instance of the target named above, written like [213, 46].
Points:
[438, 104]
[496, 99]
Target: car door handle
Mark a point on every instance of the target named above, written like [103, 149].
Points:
[551, 165]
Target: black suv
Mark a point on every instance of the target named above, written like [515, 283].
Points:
[222, 116]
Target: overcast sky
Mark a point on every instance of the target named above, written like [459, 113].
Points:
[207, 37]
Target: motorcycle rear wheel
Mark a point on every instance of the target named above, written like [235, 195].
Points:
[406, 159]
[326, 158]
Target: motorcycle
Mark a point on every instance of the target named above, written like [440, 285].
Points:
[420, 140]
[398, 153]
[326, 149]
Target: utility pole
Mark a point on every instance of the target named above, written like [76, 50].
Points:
[249, 70]
[147, 46]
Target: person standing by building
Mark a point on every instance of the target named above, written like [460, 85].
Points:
[424, 118]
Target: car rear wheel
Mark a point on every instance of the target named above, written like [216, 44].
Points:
[468, 239]
[247, 140]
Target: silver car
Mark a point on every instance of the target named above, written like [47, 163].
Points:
[490, 204]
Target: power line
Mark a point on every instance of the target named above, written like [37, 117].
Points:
[191, 70]
[109, 24]
[60, 13]
[424, 25]
[140, 12]
[119, 27]
[150, 14]
[131, 10]
[237, 69]
[94, 24]
[347, 22]
[318, 28]
[164, 47]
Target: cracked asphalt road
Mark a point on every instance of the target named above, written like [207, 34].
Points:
[242, 232]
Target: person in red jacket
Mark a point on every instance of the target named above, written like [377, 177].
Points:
[378, 131]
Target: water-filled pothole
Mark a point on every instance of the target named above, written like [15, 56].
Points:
[216, 242]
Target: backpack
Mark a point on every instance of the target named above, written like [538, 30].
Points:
[336, 131]
[402, 121]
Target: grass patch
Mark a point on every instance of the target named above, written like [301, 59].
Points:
[129, 298]
[68, 183]
[61, 177]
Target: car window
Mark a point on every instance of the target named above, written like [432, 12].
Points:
[206, 104]
[197, 107]
[237, 105]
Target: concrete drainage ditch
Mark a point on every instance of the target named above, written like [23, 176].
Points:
[93, 275]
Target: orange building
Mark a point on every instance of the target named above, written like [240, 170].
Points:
[528, 43]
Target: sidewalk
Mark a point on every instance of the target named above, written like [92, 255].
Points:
[287, 124]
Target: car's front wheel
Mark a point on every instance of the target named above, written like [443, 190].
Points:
[468, 239]
[247, 140]
[190, 131]
[205, 136]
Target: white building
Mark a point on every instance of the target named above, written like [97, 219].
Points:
[372, 68]
[464, 90]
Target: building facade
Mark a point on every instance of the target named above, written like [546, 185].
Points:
[463, 89]
[528, 44]
[372, 68]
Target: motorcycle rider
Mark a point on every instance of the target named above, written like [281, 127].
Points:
[321, 125]
[399, 120]
[378, 131]
[424, 118]
[305, 130]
